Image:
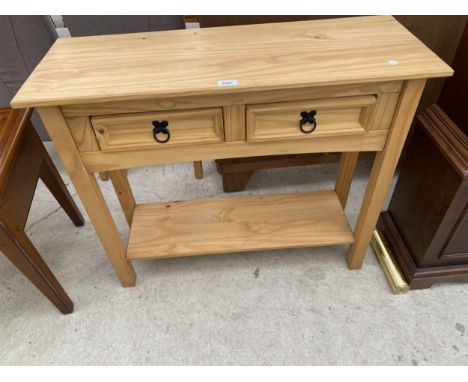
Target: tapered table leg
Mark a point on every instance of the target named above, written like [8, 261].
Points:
[124, 193]
[90, 194]
[51, 178]
[18, 248]
[198, 169]
[382, 172]
[344, 178]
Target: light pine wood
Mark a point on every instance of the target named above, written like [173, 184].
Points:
[84, 137]
[384, 110]
[89, 192]
[364, 75]
[280, 121]
[124, 193]
[344, 178]
[234, 123]
[115, 160]
[229, 99]
[83, 134]
[198, 169]
[198, 227]
[260, 57]
[131, 131]
[382, 171]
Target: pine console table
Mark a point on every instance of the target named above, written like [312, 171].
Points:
[115, 102]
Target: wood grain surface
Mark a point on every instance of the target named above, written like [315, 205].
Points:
[260, 57]
[115, 160]
[126, 131]
[229, 99]
[335, 116]
[198, 227]
[12, 126]
[83, 134]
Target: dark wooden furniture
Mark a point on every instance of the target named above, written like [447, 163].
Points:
[426, 224]
[453, 96]
[440, 33]
[23, 160]
[237, 172]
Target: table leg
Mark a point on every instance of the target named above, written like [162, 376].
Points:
[198, 169]
[51, 178]
[345, 175]
[124, 192]
[21, 252]
[89, 192]
[236, 181]
[382, 172]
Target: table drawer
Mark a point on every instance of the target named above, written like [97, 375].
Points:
[320, 118]
[160, 129]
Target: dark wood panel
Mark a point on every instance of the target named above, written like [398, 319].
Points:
[417, 277]
[422, 195]
[426, 225]
[11, 133]
[453, 97]
[456, 245]
[22, 181]
[236, 172]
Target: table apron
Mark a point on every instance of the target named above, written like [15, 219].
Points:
[98, 161]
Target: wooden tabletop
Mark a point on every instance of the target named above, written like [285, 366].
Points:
[259, 57]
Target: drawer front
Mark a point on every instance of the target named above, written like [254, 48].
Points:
[325, 117]
[161, 129]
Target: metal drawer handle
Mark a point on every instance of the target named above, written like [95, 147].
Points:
[308, 117]
[160, 127]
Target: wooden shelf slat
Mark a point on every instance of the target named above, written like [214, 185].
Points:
[259, 222]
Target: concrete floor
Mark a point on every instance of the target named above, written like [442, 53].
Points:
[289, 307]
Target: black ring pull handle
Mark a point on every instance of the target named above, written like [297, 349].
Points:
[160, 127]
[308, 117]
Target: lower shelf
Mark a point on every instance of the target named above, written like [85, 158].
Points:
[198, 227]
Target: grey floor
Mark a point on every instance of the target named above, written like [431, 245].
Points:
[288, 307]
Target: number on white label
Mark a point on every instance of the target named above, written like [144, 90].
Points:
[222, 83]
